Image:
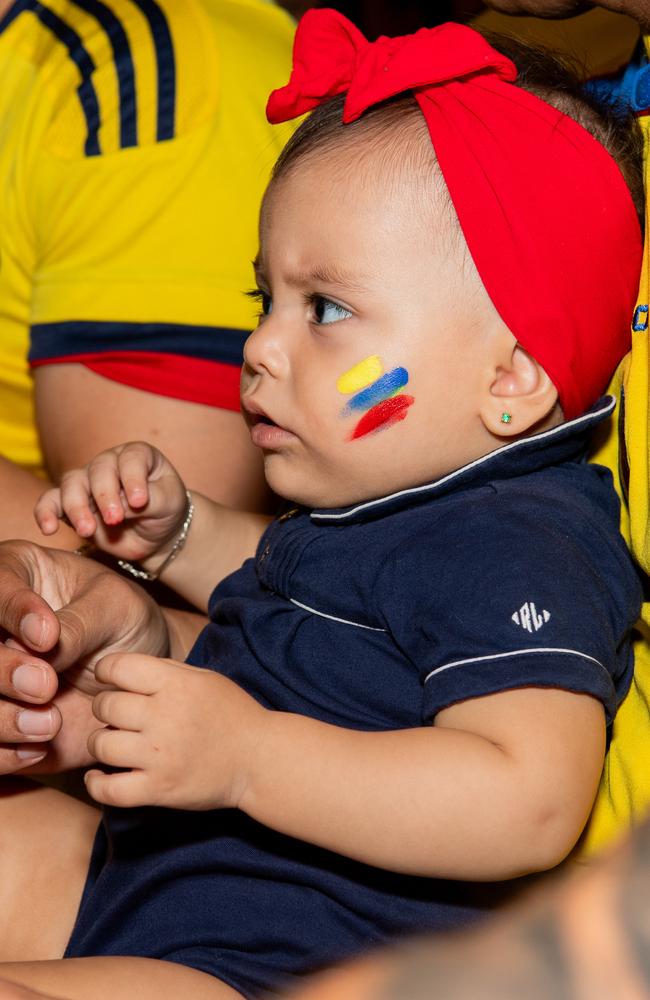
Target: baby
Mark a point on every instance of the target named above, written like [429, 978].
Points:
[408, 687]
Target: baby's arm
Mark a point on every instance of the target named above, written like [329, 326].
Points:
[133, 505]
[500, 786]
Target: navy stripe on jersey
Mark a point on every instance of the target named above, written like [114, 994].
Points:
[123, 64]
[211, 343]
[18, 7]
[166, 66]
[79, 55]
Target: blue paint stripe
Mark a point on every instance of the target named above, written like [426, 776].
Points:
[124, 66]
[79, 55]
[380, 390]
[166, 66]
[211, 343]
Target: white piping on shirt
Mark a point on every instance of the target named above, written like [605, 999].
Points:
[514, 652]
[333, 618]
[585, 418]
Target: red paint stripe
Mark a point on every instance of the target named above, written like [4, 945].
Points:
[389, 412]
[212, 383]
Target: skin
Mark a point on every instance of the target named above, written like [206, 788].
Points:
[111, 412]
[64, 612]
[393, 295]
[132, 502]
[379, 301]
[52, 834]
[481, 752]
[585, 939]
[465, 773]
[638, 9]
[187, 431]
[114, 412]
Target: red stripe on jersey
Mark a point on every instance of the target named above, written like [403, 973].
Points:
[194, 379]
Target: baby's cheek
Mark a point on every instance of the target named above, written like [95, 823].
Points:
[378, 397]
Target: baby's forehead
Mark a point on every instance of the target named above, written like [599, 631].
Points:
[368, 207]
[391, 146]
[389, 162]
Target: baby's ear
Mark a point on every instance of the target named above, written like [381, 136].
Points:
[521, 396]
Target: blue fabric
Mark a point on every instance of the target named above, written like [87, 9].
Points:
[124, 67]
[79, 55]
[166, 67]
[74, 337]
[509, 572]
[629, 89]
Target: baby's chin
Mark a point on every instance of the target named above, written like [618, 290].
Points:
[307, 491]
[313, 498]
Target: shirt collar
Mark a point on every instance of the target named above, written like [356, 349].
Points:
[568, 442]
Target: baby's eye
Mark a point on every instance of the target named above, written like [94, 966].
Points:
[326, 311]
[263, 299]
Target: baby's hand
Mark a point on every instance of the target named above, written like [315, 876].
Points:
[129, 500]
[187, 735]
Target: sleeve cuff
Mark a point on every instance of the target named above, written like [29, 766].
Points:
[475, 677]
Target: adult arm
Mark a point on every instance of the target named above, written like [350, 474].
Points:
[112, 978]
[20, 489]
[210, 447]
[138, 251]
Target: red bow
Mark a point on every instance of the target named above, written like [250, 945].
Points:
[330, 56]
[544, 209]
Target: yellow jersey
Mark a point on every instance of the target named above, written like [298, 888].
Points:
[605, 42]
[624, 795]
[134, 153]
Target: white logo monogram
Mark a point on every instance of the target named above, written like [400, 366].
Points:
[529, 618]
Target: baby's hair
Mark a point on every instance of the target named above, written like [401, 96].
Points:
[396, 128]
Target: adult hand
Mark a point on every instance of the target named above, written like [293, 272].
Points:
[638, 9]
[60, 614]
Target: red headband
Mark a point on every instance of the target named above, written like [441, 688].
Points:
[544, 208]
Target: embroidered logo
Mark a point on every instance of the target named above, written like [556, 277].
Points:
[529, 618]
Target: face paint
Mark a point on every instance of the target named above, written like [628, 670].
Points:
[379, 394]
[385, 386]
[385, 414]
[360, 376]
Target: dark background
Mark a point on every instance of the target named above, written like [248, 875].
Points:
[394, 17]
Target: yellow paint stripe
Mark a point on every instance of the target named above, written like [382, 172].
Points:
[360, 375]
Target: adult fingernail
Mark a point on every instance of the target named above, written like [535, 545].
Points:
[30, 679]
[32, 755]
[33, 628]
[35, 723]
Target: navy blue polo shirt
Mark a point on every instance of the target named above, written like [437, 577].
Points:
[508, 572]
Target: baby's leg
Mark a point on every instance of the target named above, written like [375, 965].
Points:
[45, 843]
[116, 979]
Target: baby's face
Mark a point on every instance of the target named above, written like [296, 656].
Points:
[372, 349]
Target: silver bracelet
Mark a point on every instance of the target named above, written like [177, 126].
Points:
[143, 574]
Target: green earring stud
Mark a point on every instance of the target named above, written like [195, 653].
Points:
[506, 418]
